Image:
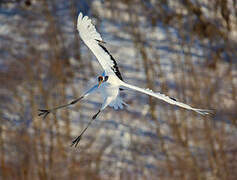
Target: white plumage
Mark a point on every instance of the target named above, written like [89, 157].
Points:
[93, 39]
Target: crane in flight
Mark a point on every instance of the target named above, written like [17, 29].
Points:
[110, 83]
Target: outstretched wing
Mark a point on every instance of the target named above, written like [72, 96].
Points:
[95, 43]
[167, 99]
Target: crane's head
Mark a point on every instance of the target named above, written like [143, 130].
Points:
[102, 79]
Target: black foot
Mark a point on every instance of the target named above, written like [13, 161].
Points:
[76, 141]
[43, 112]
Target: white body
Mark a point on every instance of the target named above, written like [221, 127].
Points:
[110, 93]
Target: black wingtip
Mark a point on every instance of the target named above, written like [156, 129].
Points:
[173, 99]
[99, 41]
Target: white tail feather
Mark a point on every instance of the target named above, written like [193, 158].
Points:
[117, 103]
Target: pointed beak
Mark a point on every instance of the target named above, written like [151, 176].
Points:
[100, 83]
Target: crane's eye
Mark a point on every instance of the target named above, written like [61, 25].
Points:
[100, 78]
[106, 78]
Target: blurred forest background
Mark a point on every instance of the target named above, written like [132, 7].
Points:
[185, 48]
